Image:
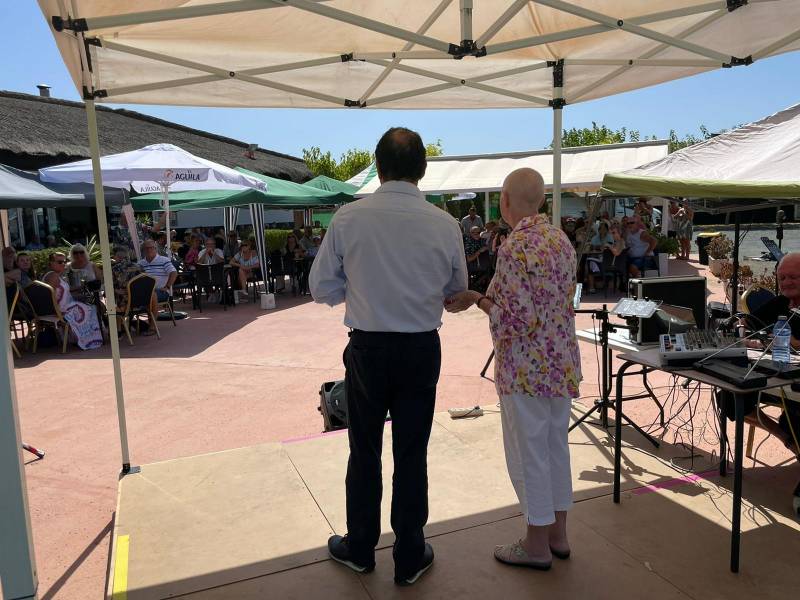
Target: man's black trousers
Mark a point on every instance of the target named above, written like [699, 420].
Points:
[395, 373]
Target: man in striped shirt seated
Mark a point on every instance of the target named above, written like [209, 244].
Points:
[159, 268]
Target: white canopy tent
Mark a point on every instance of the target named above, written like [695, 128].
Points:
[387, 54]
[582, 168]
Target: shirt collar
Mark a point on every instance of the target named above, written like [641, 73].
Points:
[532, 221]
[399, 187]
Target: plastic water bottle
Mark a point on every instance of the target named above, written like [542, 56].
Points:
[782, 341]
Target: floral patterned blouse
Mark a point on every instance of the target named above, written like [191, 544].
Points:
[532, 322]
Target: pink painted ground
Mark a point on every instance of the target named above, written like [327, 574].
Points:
[219, 380]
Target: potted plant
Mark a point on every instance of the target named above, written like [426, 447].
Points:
[726, 274]
[665, 247]
[719, 251]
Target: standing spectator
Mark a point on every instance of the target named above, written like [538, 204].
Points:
[644, 211]
[393, 302]
[685, 229]
[670, 217]
[471, 220]
[537, 366]
[211, 254]
[474, 250]
[159, 268]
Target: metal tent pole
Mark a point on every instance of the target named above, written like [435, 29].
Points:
[558, 104]
[108, 280]
[485, 207]
[17, 561]
[735, 277]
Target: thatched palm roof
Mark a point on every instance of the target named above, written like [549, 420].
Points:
[38, 132]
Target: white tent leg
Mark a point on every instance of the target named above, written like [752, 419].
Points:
[557, 120]
[108, 280]
[17, 561]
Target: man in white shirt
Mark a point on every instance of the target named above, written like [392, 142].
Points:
[210, 255]
[392, 258]
[159, 268]
[470, 221]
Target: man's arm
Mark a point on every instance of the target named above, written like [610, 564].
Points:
[459, 277]
[327, 281]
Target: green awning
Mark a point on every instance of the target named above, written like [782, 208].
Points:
[280, 193]
[323, 182]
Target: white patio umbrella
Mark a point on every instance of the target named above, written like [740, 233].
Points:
[155, 168]
[158, 167]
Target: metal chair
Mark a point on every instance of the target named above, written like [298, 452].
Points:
[46, 312]
[140, 302]
[12, 296]
[613, 268]
[210, 277]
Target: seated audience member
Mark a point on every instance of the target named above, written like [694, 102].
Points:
[81, 318]
[640, 246]
[123, 270]
[190, 260]
[185, 246]
[11, 272]
[247, 262]
[293, 255]
[219, 238]
[161, 244]
[600, 242]
[568, 224]
[26, 271]
[51, 241]
[231, 248]
[160, 268]
[322, 232]
[81, 270]
[211, 254]
[474, 248]
[765, 316]
[498, 238]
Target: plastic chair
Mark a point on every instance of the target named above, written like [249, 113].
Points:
[140, 302]
[46, 312]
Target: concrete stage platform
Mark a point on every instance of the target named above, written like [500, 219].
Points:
[253, 523]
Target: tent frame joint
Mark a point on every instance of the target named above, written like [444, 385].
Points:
[347, 57]
[557, 103]
[558, 72]
[354, 103]
[91, 95]
[466, 48]
[734, 4]
[739, 62]
[77, 25]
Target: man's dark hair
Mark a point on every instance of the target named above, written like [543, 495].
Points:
[400, 155]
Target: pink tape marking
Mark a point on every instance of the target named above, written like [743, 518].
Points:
[671, 483]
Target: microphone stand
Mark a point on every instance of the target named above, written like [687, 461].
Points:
[602, 404]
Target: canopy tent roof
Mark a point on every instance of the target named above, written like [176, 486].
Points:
[21, 189]
[299, 194]
[759, 160]
[323, 182]
[412, 54]
[582, 168]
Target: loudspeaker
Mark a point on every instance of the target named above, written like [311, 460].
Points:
[333, 405]
[689, 291]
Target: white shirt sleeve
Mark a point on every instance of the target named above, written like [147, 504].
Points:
[327, 281]
[459, 280]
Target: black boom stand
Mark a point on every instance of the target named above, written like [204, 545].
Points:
[602, 404]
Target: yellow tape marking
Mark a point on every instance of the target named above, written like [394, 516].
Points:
[120, 589]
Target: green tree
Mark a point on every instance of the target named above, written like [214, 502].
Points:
[351, 162]
[323, 163]
[676, 143]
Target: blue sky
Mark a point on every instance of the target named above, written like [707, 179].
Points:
[717, 100]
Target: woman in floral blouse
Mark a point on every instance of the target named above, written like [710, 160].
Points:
[537, 366]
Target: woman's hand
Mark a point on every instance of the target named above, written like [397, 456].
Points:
[461, 301]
